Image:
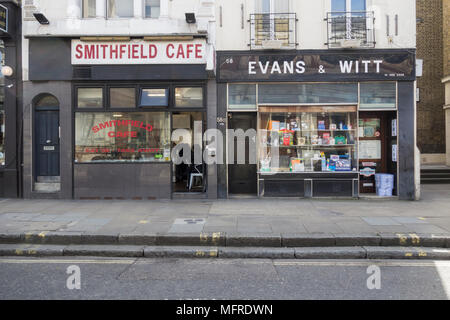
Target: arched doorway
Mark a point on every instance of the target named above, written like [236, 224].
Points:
[46, 143]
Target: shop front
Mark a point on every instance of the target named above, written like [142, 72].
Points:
[322, 123]
[10, 94]
[131, 103]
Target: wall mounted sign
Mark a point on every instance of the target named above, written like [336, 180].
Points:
[138, 52]
[317, 65]
[3, 19]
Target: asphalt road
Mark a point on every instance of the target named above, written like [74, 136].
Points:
[106, 278]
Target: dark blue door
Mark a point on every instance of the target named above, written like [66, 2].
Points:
[47, 143]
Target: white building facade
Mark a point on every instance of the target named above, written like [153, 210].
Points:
[329, 87]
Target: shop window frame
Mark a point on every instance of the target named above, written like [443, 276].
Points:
[122, 109]
[90, 86]
[139, 85]
[204, 97]
[377, 109]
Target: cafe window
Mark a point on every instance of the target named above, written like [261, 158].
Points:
[378, 96]
[307, 139]
[317, 93]
[154, 98]
[120, 8]
[122, 137]
[188, 97]
[122, 97]
[152, 8]
[89, 8]
[90, 97]
[242, 97]
[2, 130]
[2, 106]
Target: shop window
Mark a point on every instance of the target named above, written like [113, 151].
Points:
[120, 8]
[152, 8]
[154, 98]
[90, 97]
[242, 97]
[308, 93]
[378, 96]
[307, 139]
[89, 8]
[188, 97]
[122, 137]
[122, 97]
[2, 134]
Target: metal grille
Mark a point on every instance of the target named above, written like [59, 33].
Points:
[355, 29]
[276, 28]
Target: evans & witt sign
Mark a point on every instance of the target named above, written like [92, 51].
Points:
[320, 66]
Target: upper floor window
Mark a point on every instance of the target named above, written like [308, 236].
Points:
[152, 8]
[89, 8]
[340, 6]
[120, 8]
[272, 6]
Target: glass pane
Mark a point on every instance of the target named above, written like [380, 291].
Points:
[281, 6]
[307, 139]
[120, 8]
[122, 137]
[338, 6]
[2, 106]
[47, 101]
[152, 8]
[358, 5]
[263, 6]
[90, 98]
[378, 95]
[154, 98]
[2, 135]
[308, 93]
[242, 96]
[189, 97]
[89, 9]
[123, 97]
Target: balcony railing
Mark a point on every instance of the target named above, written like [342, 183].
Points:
[273, 31]
[351, 29]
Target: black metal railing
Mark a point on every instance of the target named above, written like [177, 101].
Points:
[356, 28]
[274, 28]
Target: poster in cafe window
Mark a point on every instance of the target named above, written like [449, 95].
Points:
[370, 149]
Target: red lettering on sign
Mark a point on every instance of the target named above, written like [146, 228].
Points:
[142, 52]
[89, 51]
[79, 51]
[169, 51]
[122, 50]
[114, 50]
[180, 51]
[198, 50]
[153, 51]
[189, 50]
[124, 134]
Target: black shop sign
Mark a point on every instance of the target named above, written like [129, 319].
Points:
[317, 66]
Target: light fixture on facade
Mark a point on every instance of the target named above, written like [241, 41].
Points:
[7, 71]
[190, 18]
[41, 18]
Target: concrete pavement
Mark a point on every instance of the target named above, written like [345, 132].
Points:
[248, 223]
